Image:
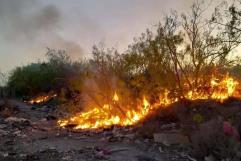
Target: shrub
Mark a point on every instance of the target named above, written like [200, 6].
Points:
[40, 77]
[211, 140]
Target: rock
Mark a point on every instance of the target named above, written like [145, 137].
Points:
[33, 108]
[52, 148]
[117, 150]
[99, 155]
[49, 150]
[130, 136]
[145, 158]
[238, 154]
[105, 152]
[160, 149]
[146, 141]
[32, 157]
[209, 158]
[189, 157]
[43, 138]
[66, 157]
[15, 119]
[169, 126]
[23, 155]
[4, 154]
[12, 153]
[18, 122]
[170, 138]
[137, 141]
[9, 142]
[3, 132]
[18, 132]
[43, 120]
[50, 117]
[2, 126]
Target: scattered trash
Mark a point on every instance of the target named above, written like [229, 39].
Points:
[230, 130]
[105, 144]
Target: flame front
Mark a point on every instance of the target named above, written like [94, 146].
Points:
[42, 98]
[113, 113]
[108, 115]
[115, 97]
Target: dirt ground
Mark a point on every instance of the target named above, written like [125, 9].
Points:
[32, 135]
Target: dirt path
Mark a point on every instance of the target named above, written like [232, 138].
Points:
[37, 138]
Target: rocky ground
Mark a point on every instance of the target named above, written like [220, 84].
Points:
[31, 134]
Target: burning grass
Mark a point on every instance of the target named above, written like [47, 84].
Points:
[42, 98]
[117, 112]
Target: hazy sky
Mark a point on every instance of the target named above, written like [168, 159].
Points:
[27, 27]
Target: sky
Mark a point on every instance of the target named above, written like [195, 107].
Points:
[28, 27]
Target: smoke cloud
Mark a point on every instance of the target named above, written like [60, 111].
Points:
[27, 27]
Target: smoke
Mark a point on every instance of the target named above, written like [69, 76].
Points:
[27, 27]
[30, 24]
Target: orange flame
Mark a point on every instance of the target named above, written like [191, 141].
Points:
[113, 114]
[223, 89]
[42, 98]
[107, 116]
[115, 97]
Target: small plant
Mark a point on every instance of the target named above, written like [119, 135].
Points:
[210, 139]
[198, 118]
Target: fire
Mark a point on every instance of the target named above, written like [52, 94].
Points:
[42, 98]
[223, 89]
[146, 104]
[164, 100]
[231, 85]
[219, 89]
[112, 113]
[108, 115]
[115, 97]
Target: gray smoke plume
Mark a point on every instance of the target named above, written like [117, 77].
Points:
[24, 21]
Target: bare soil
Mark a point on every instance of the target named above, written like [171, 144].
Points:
[38, 138]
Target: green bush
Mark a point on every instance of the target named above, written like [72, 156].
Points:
[40, 77]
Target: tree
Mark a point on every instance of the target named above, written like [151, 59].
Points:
[228, 17]
[3, 79]
[184, 52]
